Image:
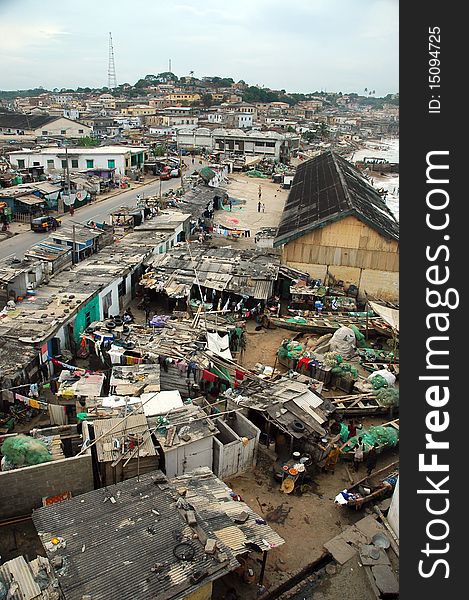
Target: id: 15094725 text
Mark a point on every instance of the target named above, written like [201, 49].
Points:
[434, 77]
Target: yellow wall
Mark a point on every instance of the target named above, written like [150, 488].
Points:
[350, 251]
[203, 593]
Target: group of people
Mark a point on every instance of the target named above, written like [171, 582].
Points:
[358, 453]
[260, 206]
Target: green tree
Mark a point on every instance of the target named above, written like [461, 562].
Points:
[206, 100]
[87, 142]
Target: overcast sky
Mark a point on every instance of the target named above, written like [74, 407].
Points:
[299, 45]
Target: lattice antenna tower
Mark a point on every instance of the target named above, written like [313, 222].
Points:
[111, 71]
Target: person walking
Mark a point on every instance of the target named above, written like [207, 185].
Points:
[231, 205]
[263, 207]
[358, 454]
[259, 206]
[371, 460]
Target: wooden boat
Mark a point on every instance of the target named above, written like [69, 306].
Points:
[359, 404]
[320, 325]
[349, 455]
[371, 367]
[381, 327]
[381, 485]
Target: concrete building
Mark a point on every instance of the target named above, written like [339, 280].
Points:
[42, 126]
[259, 143]
[336, 227]
[180, 97]
[124, 159]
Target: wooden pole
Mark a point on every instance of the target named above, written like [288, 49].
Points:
[264, 562]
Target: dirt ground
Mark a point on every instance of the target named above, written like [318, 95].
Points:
[246, 188]
[262, 346]
[305, 522]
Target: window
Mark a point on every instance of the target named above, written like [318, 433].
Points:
[80, 131]
[111, 164]
[87, 318]
[50, 163]
[44, 132]
[90, 164]
[36, 164]
[63, 132]
[74, 163]
[21, 163]
[64, 164]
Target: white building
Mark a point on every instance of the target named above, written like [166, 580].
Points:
[236, 141]
[42, 125]
[123, 159]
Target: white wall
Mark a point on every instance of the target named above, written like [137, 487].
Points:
[114, 308]
[188, 457]
[100, 161]
[71, 129]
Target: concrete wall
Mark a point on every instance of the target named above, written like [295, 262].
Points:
[22, 490]
[76, 130]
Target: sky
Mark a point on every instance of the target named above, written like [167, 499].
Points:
[299, 46]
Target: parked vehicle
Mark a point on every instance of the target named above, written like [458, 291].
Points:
[175, 173]
[45, 223]
[165, 174]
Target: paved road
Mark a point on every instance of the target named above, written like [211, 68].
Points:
[98, 211]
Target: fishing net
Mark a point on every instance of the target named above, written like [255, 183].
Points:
[361, 342]
[378, 382]
[24, 451]
[290, 350]
[375, 436]
[388, 396]
[345, 369]
[256, 173]
[332, 359]
[344, 432]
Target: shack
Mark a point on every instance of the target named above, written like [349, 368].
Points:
[185, 440]
[124, 447]
[336, 226]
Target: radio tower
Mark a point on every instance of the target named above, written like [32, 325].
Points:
[111, 71]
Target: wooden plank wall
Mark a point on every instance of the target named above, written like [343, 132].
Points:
[350, 251]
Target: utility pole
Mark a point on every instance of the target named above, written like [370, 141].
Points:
[67, 172]
[180, 172]
[73, 245]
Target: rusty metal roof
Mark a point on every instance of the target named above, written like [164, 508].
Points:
[211, 499]
[120, 543]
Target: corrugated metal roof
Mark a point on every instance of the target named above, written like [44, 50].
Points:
[111, 548]
[18, 571]
[211, 498]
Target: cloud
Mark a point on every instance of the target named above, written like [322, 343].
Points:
[21, 36]
[340, 43]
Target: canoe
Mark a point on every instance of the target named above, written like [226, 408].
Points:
[381, 485]
[381, 327]
[320, 325]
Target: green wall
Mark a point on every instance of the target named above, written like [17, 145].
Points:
[80, 322]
